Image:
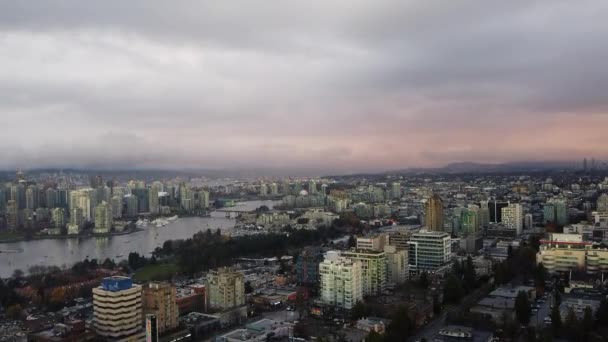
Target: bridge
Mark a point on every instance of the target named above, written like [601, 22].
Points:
[232, 212]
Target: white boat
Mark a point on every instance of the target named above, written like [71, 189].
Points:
[159, 222]
[142, 223]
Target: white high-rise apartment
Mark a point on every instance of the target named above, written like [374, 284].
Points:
[341, 283]
[103, 218]
[373, 271]
[512, 217]
[153, 199]
[85, 199]
[602, 203]
[396, 190]
[263, 190]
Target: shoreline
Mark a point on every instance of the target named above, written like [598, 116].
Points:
[64, 237]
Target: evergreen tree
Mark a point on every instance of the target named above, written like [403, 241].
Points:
[587, 323]
[522, 308]
[424, 280]
[556, 320]
[400, 328]
[571, 325]
[374, 337]
[470, 276]
[602, 313]
[453, 290]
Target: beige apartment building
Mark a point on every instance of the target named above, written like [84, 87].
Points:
[159, 300]
[568, 252]
[226, 288]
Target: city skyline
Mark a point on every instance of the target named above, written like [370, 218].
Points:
[340, 87]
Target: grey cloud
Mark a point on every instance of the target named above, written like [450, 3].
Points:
[273, 82]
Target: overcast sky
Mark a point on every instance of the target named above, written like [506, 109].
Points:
[336, 85]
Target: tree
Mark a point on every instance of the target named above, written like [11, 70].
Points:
[540, 276]
[531, 334]
[534, 242]
[109, 264]
[571, 325]
[587, 323]
[508, 325]
[470, 276]
[436, 304]
[248, 287]
[262, 209]
[556, 320]
[522, 308]
[360, 310]
[424, 280]
[17, 274]
[373, 336]
[401, 327]
[453, 290]
[352, 241]
[526, 261]
[14, 311]
[57, 298]
[602, 313]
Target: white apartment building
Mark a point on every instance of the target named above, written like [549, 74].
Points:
[341, 283]
[103, 218]
[512, 217]
[373, 269]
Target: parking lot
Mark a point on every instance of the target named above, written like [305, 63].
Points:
[544, 311]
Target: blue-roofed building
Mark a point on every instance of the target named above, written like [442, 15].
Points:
[118, 309]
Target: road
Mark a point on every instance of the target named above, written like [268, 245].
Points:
[282, 315]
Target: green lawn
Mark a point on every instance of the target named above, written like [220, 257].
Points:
[156, 272]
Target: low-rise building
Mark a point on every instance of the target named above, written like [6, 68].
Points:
[373, 242]
[259, 331]
[569, 252]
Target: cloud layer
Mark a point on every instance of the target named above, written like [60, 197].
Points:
[339, 85]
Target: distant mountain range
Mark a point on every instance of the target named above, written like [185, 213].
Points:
[458, 167]
[472, 167]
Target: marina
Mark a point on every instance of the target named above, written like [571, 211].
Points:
[65, 252]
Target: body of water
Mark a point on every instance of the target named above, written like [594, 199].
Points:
[60, 252]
